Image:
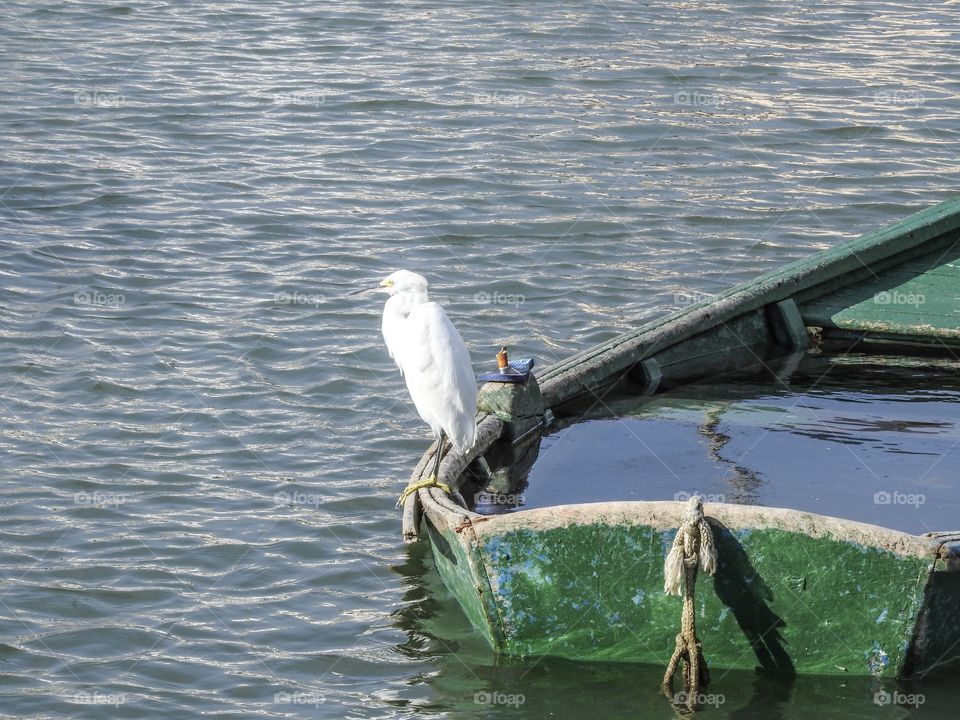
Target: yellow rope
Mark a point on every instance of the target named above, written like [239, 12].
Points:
[692, 547]
[413, 487]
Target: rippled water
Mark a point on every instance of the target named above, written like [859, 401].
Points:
[203, 439]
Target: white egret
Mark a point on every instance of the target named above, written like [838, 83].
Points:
[435, 363]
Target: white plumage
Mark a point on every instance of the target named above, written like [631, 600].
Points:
[432, 358]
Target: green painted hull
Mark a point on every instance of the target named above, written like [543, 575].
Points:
[808, 595]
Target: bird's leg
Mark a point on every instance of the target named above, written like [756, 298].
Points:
[436, 459]
[432, 481]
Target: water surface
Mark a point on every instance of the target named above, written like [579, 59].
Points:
[202, 438]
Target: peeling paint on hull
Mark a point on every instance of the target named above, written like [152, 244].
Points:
[569, 592]
[787, 597]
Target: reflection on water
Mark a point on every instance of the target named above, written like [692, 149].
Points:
[870, 439]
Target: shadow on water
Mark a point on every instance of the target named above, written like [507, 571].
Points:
[741, 588]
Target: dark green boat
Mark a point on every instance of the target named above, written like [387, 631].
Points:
[794, 591]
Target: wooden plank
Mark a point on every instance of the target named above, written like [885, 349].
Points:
[935, 263]
[917, 299]
[652, 374]
[787, 325]
[949, 552]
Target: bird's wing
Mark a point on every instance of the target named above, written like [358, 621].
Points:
[436, 365]
[392, 326]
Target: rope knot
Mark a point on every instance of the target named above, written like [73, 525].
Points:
[692, 548]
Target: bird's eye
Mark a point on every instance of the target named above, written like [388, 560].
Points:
[389, 283]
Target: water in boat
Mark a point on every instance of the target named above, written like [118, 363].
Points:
[868, 438]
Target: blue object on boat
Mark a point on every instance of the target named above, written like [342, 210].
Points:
[517, 371]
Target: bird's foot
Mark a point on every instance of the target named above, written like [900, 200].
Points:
[413, 487]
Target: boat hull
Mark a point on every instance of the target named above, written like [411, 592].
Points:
[793, 592]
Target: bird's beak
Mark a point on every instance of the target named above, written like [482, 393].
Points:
[363, 291]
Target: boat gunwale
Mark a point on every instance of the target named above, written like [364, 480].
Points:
[664, 516]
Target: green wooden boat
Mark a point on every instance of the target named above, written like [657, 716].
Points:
[795, 591]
